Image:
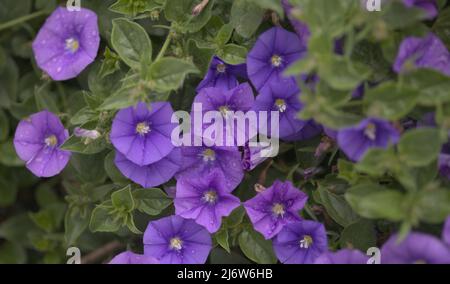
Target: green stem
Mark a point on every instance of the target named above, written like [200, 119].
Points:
[21, 20]
[164, 47]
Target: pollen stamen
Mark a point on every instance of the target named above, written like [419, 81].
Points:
[281, 105]
[176, 243]
[278, 209]
[306, 242]
[276, 60]
[51, 141]
[72, 45]
[371, 131]
[142, 128]
[209, 155]
[221, 68]
[210, 196]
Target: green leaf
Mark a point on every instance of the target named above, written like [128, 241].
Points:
[151, 201]
[433, 205]
[180, 11]
[337, 207]
[49, 219]
[274, 5]
[419, 147]
[4, 126]
[235, 218]
[8, 192]
[246, 16]
[16, 228]
[222, 239]
[89, 167]
[8, 154]
[360, 235]
[255, 247]
[131, 42]
[376, 202]
[113, 173]
[133, 8]
[224, 35]
[432, 86]
[74, 225]
[340, 73]
[168, 74]
[123, 200]
[390, 101]
[110, 64]
[376, 162]
[102, 220]
[12, 253]
[442, 26]
[233, 54]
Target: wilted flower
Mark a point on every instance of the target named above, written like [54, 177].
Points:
[128, 257]
[153, 174]
[427, 52]
[206, 200]
[275, 207]
[301, 242]
[85, 133]
[272, 53]
[143, 135]
[174, 240]
[222, 75]
[199, 161]
[369, 133]
[285, 100]
[429, 6]
[67, 43]
[37, 142]
[416, 248]
[343, 256]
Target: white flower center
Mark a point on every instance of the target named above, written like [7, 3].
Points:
[142, 128]
[210, 196]
[221, 68]
[371, 131]
[209, 155]
[176, 243]
[72, 45]
[281, 105]
[276, 60]
[51, 141]
[278, 209]
[306, 242]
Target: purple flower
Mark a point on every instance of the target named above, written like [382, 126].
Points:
[275, 207]
[199, 161]
[222, 75]
[174, 240]
[446, 232]
[37, 141]
[271, 54]
[300, 28]
[285, 100]
[301, 242]
[343, 256]
[128, 257]
[151, 175]
[143, 135]
[67, 43]
[416, 248]
[205, 200]
[239, 98]
[426, 52]
[444, 161]
[369, 133]
[429, 6]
